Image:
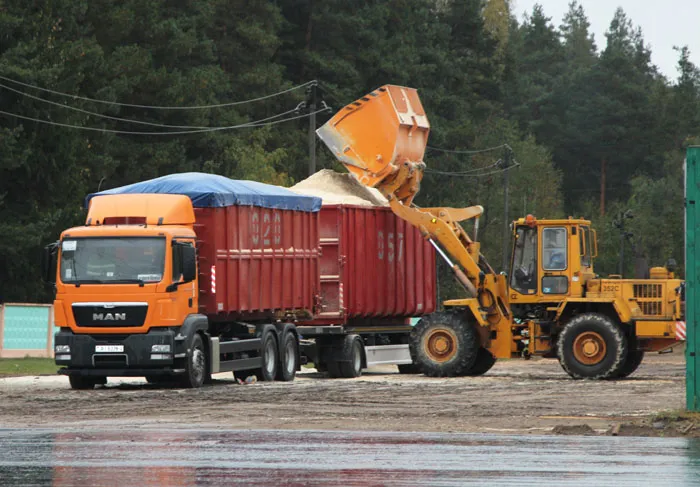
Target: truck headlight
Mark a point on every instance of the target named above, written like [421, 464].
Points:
[63, 357]
[160, 356]
[62, 349]
[160, 348]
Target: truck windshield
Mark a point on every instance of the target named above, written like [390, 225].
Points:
[112, 260]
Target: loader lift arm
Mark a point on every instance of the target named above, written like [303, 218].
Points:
[381, 139]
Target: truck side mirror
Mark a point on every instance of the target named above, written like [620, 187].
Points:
[189, 263]
[48, 263]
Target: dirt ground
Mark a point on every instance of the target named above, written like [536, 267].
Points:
[522, 397]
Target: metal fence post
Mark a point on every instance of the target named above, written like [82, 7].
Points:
[692, 272]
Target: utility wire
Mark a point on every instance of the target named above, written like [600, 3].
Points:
[157, 107]
[256, 123]
[446, 173]
[120, 119]
[465, 172]
[479, 151]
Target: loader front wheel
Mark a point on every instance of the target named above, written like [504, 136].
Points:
[632, 363]
[483, 363]
[592, 346]
[445, 344]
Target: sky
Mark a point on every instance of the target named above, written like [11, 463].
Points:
[664, 23]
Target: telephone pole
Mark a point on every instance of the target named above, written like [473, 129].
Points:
[506, 224]
[312, 102]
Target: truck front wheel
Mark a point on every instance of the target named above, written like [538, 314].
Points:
[196, 365]
[592, 346]
[80, 382]
[445, 344]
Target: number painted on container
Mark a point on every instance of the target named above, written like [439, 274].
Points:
[267, 229]
[390, 245]
[380, 245]
[255, 227]
[277, 228]
[400, 245]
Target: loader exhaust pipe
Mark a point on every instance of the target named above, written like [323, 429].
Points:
[459, 274]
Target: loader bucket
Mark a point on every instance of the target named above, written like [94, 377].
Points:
[379, 134]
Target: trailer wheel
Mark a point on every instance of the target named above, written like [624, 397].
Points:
[592, 346]
[409, 369]
[633, 361]
[195, 364]
[483, 363]
[351, 366]
[289, 357]
[79, 382]
[445, 344]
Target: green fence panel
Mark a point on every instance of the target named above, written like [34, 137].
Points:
[692, 273]
[26, 327]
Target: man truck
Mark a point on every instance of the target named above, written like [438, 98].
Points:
[192, 274]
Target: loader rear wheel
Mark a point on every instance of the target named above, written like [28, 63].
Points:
[592, 346]
[632, 363]
[483, 363]
[445, 344]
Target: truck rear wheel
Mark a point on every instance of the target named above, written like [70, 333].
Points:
[445, 344]
[195, 365]
[592, 346]
[483, 363]
[269, 355]
[289, 357]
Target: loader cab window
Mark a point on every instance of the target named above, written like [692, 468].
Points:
[554, 249]
[586, 246]
[524, 271]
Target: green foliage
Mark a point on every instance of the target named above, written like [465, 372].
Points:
[485, 78]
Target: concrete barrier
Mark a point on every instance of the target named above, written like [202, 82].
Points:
[26, 330]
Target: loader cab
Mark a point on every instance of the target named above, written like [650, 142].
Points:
[551, 259]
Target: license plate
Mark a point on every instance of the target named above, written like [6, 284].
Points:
[109, 348]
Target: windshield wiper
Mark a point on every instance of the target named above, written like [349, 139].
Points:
[140, 282]
[78, 282]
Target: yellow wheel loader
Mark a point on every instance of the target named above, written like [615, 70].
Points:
[551, 304]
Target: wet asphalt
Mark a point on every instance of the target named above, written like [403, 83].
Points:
[184, 457]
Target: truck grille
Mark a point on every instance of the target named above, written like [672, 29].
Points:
[109, 314]
[650, 298]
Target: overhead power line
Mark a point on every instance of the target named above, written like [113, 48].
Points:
[158, 107]
[478, 175]
[467, 171]
[478, 151]
[120, 119]
[256, 123]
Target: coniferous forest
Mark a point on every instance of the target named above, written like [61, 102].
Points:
[96, 94]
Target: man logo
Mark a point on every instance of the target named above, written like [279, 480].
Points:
[109, 316]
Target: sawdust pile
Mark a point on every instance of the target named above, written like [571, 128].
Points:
[339, 189]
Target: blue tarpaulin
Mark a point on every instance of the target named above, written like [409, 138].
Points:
[211, 190]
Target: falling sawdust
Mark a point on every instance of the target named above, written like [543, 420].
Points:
[339, 189]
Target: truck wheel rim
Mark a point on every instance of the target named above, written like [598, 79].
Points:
[290, 354]
[589, 348]
[198, 364]
[270, 356]
[440, 345]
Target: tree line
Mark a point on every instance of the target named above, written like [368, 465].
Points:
[594, 131]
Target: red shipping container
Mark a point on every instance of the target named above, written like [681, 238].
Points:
[257, 262]
[375, 267]
[344, 264]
